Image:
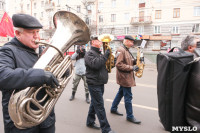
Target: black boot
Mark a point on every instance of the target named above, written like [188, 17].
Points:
[73, 95]
[87, 98]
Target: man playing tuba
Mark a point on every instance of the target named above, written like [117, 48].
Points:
[17, 59]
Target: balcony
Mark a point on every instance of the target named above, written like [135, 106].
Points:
[49, 6]
[141, 20]
[90, 1]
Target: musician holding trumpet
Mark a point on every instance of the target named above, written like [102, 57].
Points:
[17, 58]
[96, 77]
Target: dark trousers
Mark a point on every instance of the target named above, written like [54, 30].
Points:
[126, 92]
[97, 107]
[36, 129]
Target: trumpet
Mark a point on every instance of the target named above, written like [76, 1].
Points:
[106, 39]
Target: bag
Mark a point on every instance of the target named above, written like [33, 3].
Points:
[193, 94]
[171, 86]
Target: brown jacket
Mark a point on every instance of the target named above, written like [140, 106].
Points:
[124, 64]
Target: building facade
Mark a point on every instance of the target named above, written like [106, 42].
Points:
[162, 23]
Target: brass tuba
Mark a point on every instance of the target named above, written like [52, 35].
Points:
[70, 30]
[106, 39]
[140, 63]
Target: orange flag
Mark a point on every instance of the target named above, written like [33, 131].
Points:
[6, 26]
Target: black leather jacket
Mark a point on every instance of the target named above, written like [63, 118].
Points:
[16, 72]
[96, 72]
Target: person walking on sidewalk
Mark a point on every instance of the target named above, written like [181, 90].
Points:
[125, 65]
[96, 77]
[79, 72]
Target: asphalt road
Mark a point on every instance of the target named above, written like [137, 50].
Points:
[71, 115]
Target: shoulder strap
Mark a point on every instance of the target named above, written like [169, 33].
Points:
[128, 51]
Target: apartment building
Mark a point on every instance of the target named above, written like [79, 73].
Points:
[162, 23]
[44, 10]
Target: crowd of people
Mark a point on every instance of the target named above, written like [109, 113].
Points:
[16, 70]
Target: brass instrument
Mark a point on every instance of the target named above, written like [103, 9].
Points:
[140, 62]
[106, 39]
[70, 30]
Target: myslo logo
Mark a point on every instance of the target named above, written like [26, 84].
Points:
[184, 128]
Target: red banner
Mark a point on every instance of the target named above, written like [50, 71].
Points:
[6, 26]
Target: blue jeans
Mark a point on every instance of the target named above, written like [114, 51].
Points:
[126, 92]
[97, 107]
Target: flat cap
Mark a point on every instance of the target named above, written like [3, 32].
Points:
[26, 21]
[129, 38]
[93, 37]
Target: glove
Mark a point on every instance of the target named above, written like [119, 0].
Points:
[78, 51]
[107, 53]
[135, 68]
[50, 79]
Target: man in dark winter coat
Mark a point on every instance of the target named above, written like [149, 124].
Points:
[96, 77]
[17, 59]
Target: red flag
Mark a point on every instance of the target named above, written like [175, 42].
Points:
[6, 26]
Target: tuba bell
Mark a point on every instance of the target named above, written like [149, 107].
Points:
[106, 39]
[70, 30]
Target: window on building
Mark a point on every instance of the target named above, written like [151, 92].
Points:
[100, 18]
[42, 14]
[22, 7]
[158, 14]
[141, 16]
[176, 13]
[113, 3]
[175, 30]
[35, 14]
[89, 8]
[127, 3]
[126, 30]
[157, 30]
[78, 9]
[68, 9]
[127, 16]
[141, 1]
[1, 5]
[42, 3]
[196, 28]
[174, 44]
[34, 5]
[112, 31]
[158, 0]
[28, 6]
[113, 17]
[100, 31]
[100, 6]
[197, 11]
[141, 30]
[156, 45]
[88, 20]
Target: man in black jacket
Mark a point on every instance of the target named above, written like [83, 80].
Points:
[17, 59]
[96, 77]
